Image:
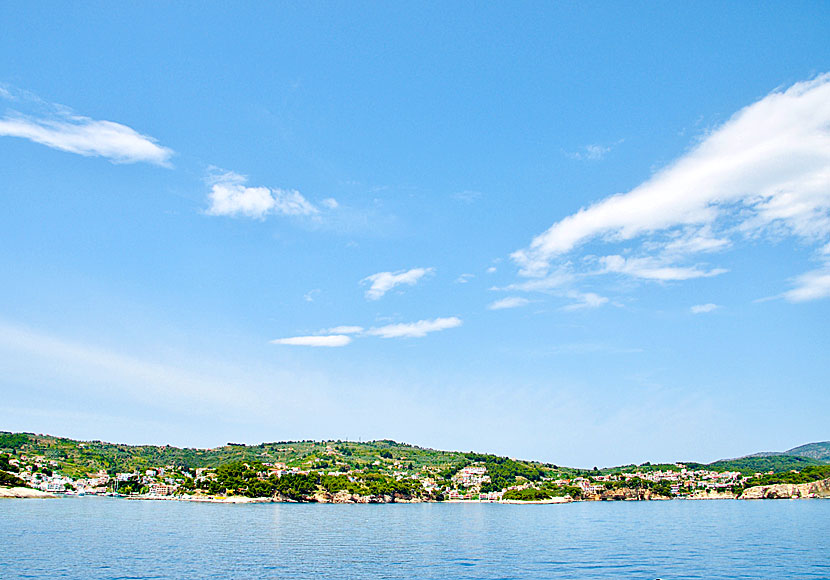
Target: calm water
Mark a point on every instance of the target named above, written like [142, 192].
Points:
[111, 538]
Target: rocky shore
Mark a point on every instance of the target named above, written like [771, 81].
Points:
[815, 489]
[23, 493]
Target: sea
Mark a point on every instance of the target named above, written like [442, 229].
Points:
[112, 538]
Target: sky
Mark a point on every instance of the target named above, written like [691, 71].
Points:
[582, 233]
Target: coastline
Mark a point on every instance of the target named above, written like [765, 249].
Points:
[813, 490]
[24, 493]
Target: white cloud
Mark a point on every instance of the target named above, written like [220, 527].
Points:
[703, 308]
[229, 196]
[552, 283]
[330, 203]
[584, 300]
[810, 286]
[415, 329]
[509, 302]
[491, 270]
[344, 330]
[464, 278]
[766, 170]
[88, 137]
[329, 341]
[653, 269]
[311, 294]
[383, 282]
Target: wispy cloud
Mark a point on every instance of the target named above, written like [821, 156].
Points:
[332, 340]
[703, 308]
[584, 300]
[654, 269]
[84, 136]
[59, 127]
[344, 330]
[810, 286]
[229, 196]
[509, 302]
[383, 282]
[592, 152]
[464, 278]
[766, 170]
[141, 378]
[340, 335]
[415, 329]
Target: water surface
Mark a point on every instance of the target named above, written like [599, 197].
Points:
[106, 538]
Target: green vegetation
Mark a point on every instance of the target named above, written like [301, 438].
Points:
[253, 480]
[503, 471]
[819, 451]
[528, 494]
[758, 464]
[305, 470]
[749, 465]
[806, 475]
[7, 473]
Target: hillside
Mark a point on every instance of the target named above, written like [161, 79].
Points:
[80, 458]
[763, 464]
[820, 451]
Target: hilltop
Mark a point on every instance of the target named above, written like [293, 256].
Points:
[820, 451]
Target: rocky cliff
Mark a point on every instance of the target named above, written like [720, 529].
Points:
[789, 490]
[624, 494]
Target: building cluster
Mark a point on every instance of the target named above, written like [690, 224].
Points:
[471, 476]
[41, 473]
[465, 484]
[681, 480]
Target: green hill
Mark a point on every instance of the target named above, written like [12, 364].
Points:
[79, 458]
[763, 464]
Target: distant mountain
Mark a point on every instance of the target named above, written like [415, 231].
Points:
[764, 463]
[820, 451]
[796, 458]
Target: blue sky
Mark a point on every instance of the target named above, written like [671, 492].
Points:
[583, 233]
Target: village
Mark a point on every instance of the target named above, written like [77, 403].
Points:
[469, 483]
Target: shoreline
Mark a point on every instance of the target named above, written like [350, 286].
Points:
[25, 493]
[551, 501]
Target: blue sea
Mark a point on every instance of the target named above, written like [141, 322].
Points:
[109, 538]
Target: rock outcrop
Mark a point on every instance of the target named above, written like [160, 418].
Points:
[789, 490]
[711, 494]
[629, 494]
[23, 492]
[346, 497]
